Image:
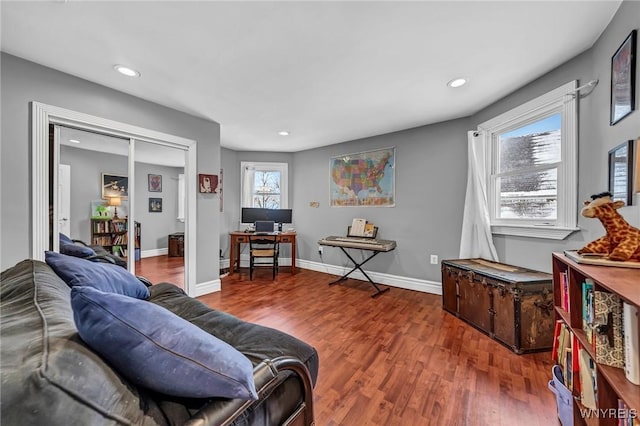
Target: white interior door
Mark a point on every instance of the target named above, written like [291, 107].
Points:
[64, 199]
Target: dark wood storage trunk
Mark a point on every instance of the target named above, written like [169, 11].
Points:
[176, 244]
[512, 305]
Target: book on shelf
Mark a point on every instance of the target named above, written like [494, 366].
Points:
[566, 356]
[564, 291]
[588, 391]
[631, 343]
[119, 251]
[626, 415]
[608, 338]
[556, 337]
[587, 309]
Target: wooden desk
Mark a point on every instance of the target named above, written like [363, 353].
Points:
[236, 238]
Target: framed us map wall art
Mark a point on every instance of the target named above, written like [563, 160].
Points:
[363, 179]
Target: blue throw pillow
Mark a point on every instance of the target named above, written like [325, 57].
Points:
[75, 250]
[157, 349]
[65, 239]
[103, 276]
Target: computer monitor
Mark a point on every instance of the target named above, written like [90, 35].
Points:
[279, 216]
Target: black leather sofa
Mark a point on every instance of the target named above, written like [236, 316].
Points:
[51, 377]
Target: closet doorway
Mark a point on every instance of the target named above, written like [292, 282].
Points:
[47, 150]
[97, 193]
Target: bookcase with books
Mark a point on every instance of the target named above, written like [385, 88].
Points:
[112, 234]
[596, 341]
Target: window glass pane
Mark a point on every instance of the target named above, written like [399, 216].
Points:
[532, 145]
[530, 195]
[267, 189]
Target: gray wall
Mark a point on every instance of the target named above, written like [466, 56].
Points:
[86, 173]
[23, 82]
[155, 227]
[596, 137]
[230, 163]
[431, 169]
[430, 178]
[86, 176]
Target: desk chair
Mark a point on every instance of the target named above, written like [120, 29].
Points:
[263, 252]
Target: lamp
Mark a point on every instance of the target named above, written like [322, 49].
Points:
[115, 202]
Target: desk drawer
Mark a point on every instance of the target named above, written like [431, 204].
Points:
[286, 238]
[242, 239]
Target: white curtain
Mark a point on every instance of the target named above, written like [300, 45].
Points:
[477, 240]
[247, 186]
[181, 193]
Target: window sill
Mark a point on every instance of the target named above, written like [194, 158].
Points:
[548, 232]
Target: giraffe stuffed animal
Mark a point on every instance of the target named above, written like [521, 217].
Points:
[622, 241]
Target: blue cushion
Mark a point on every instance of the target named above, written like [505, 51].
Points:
[75, 250]
[104, 276]
[65, 239]
[157, 349]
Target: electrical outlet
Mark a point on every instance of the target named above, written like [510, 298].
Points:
[320, 250]
[434, 259]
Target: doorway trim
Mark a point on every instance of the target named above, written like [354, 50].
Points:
[43, 115]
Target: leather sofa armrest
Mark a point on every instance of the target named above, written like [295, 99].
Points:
[267, 376]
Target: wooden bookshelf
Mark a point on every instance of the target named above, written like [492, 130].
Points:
[612, 383]
[113, 235]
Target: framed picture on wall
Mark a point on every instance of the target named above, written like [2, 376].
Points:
[621, 172]
[623, 79]
[155, 205]
[114, 186]
[155, 183]
[207, 183]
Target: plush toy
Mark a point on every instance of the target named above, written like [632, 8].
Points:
[622, 241]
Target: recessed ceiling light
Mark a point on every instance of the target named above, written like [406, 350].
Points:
[74, 141]
[457, 82]
[129, 72]
[283, 133]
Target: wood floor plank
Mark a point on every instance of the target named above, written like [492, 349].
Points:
[398, 359]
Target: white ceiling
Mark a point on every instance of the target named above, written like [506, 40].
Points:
[326, 71]
[145, 152]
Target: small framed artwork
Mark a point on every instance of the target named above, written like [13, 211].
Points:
[155, 205]
[114, 186]
[623, 79]
[207, 183]
[621, 172]
[155, 183]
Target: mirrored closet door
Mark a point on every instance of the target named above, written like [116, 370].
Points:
[133, 218]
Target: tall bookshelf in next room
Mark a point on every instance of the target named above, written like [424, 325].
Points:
[112, 234]
[614, 394]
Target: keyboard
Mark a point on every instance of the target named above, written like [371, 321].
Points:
[358, 243]
[356, 239]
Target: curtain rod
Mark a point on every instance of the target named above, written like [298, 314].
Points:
[593, 83]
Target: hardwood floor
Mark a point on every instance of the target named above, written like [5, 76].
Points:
[162, 268]
[395, 360]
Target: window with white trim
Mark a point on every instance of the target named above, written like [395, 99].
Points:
[264, 185]
[532, 166]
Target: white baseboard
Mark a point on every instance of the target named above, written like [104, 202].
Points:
[408, 283]
[154, 252]
[206, 288]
